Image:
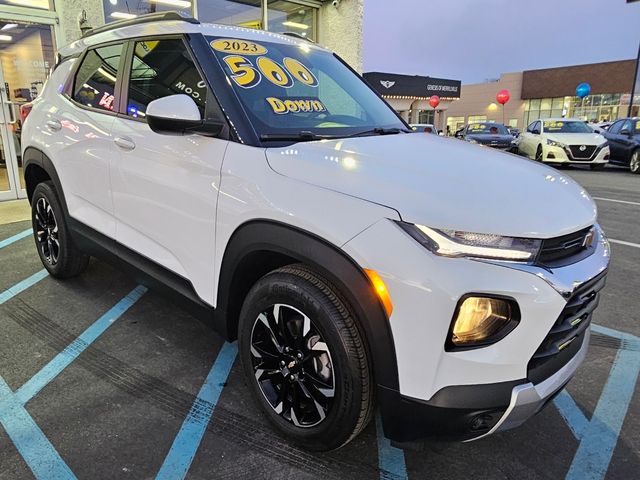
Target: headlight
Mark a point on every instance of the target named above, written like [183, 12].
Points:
[480, 321]
[452, 243]
[553, 143]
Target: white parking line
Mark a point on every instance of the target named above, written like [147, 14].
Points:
[626, 202]
[622, 242]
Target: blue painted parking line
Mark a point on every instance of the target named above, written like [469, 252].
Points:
[571, 413]
[185, 445]
[18, 236]
[600, 437]
[41, 457]
[390, 459]
[39, 454]
[11, 292]
[75, 348]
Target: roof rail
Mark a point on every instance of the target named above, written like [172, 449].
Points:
[146, 18]
[297, 35]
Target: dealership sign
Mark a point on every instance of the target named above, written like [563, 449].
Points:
[392, 84]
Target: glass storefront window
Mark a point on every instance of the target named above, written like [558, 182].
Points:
[284, 16]
[242, 13]
[25, 62]
[598, 108]
[535, 104]
[427, 116]
[545, 104]
[43, 4]
[558, 103]
[122, 10]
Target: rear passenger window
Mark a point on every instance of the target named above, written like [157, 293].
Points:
[95, 81]
[161, 68]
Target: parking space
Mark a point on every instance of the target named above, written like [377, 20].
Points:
[100, 378]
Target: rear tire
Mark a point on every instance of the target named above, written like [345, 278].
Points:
[304, 358]
[634, 163]
[56, 249]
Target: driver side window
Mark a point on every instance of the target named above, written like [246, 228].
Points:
[615, 128]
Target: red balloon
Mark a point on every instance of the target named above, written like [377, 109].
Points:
[503, 97]
[434, 101]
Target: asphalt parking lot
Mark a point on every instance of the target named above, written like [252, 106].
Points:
[100, 378]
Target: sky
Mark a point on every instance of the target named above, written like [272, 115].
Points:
[476, 40]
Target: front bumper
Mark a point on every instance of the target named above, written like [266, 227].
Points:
[552, 154]
[471, 412]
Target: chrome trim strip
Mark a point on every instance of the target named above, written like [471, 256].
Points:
[565, 280]
[528, 398]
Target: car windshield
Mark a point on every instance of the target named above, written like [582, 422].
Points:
[292, 88]
[487, 128]
[562, 126]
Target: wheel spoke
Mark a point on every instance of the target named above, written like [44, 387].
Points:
[324, 388]
[272, 334]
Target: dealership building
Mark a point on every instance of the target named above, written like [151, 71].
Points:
[32, 30]
[549, 92]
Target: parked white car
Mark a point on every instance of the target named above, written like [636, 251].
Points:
[564, 141]
[262, 179]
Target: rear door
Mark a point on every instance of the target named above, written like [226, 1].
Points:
[165, 187]
[79, 130]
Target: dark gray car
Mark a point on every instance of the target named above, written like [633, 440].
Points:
[489, 134]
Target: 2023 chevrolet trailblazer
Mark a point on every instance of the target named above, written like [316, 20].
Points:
[357, 264]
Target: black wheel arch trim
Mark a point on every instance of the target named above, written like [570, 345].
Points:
[331, 262]
[35, 157]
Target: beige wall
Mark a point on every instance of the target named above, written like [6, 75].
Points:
[68, 12]
[340, 29]
[477, 99]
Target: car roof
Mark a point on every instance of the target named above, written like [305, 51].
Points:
[168, 27]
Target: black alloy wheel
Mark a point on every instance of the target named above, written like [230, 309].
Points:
[47, 231]
[292, 364]
[634, 162]
[56, 250]
[304, 359]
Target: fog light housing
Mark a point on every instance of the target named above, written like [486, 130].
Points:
[481, 320]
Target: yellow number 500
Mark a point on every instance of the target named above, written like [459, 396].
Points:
[247, 76]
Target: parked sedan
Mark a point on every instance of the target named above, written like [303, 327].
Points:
[489, 134]
[624, 141]
[564, 141]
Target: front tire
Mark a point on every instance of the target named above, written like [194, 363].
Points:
[539, 154]
[58, 253]
[304, 358]
[634, 162]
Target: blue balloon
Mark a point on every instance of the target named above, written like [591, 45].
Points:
[583, 90]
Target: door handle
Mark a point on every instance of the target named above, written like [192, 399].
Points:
[125, 143]
[54, 125]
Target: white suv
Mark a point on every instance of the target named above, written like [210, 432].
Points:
[263, 181]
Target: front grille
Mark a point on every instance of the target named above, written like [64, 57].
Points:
[563, 249]
[565, 337]
[585, 154]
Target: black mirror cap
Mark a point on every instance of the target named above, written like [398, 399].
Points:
[625, 131]
[172, 126]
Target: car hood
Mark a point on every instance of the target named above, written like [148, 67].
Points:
[443, 183]
[577, 138]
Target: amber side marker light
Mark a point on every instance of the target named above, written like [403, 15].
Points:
[381, 290]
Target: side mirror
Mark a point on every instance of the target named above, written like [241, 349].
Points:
[178, 115]
[624, 131]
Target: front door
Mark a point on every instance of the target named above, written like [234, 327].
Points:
[26, 56]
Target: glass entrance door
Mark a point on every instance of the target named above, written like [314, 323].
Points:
[26, 56]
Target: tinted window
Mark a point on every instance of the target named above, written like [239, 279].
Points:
[615, 128]
[292, 87]
[95, 80]
[563, 126]
[161, 68]
[626, 126]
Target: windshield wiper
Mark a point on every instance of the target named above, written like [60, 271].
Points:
[380, 131]
[304, 136]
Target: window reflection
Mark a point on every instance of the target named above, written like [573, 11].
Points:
[285, 16]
